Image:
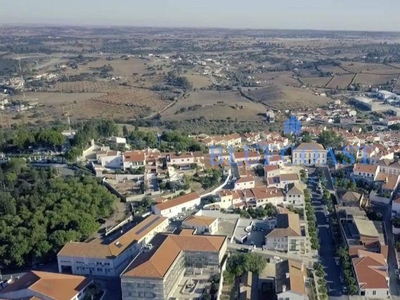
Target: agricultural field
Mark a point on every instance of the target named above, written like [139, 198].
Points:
[59, 99]
[333, 69]
[215, 106]
[380, 69]
[123, 105]
[340, 81]
[287, 98]
[199, 81]
[373, 80]
[277, 78]
[316, 81]
[122, 67]
[86, 87]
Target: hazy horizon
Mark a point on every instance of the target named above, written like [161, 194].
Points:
[292, 14]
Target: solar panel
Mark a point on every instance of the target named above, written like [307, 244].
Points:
[147, 225]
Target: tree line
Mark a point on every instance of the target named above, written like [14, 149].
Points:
[41, 211]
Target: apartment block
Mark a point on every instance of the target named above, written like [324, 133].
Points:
[110, 255]
[157, 273]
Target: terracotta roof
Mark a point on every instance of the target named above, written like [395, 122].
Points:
[270, 168]
[182, 155]
[177, 201]
[351, 196]
[199, 220]
[265, 193]
[297, 275]
[370, 269]
[246, 155]
[156, 263]
[290, 177]
[310, 147]
[390, 182]
[112, 153]
[134, 156]
[275, 158]
[245, 179]
[295, 188]
[364, 168]
[286, 225]
[186, 231]
[52, 285]
[98, 249]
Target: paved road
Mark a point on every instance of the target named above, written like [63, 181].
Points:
[328, 249]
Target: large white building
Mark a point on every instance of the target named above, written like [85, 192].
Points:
[173, 207]
[309, 154]
[109, 256]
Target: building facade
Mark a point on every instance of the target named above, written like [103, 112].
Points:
[110, 258]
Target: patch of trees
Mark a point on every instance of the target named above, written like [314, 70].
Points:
[40, 212]
[22, 139]
[211, 178]
[311, 220]
[330, 138]
[345, 260]
[190, 108]
[178, 81]
[269, 210]
[93, 129]
[240, 263]
[8, 66]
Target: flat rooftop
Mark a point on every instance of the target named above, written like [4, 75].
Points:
[240, 231]
[366, 227]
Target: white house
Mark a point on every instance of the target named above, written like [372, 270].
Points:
[295, 194]
[173, 207]
[264, 195]
[111, 159]
[309, 154]
[372, 276]
[365, 171]
[181, 159]
[134, 159]
[247, 182]
[108, 257]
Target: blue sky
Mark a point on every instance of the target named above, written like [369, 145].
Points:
[270, 14]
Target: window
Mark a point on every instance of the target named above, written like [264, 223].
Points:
[374, 293]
